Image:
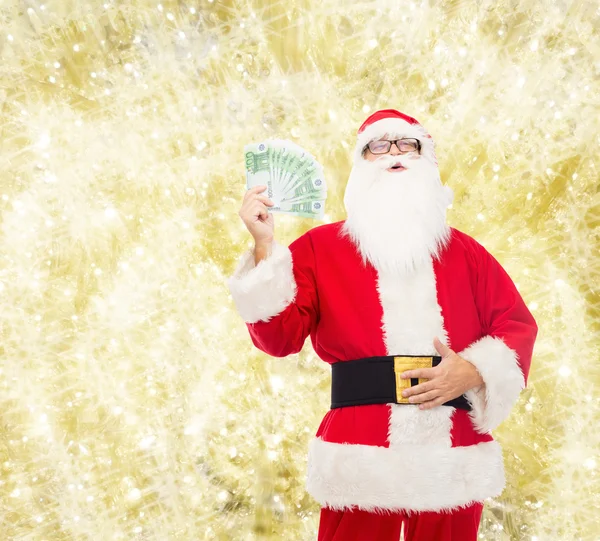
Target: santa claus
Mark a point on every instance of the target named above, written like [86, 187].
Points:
[429, 341]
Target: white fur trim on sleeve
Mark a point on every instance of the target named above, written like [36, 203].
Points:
[503, 382]
[263, 291]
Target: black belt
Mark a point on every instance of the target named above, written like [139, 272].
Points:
[376, 380]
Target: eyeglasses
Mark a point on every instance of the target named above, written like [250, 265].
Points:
[403, 145]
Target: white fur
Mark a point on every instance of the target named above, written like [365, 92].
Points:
[503, 382]
[397, 220]
[395, 127]
[411, 426]
[412, 317]
[405, 477]
[263, 291]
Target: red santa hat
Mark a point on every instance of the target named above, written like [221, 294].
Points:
[393, 124]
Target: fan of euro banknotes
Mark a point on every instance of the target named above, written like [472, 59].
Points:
[293, 177]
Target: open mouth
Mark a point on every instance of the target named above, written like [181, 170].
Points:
[397, 167]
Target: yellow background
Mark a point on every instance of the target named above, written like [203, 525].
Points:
[132, 404]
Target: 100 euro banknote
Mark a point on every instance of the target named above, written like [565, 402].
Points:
[293, 177]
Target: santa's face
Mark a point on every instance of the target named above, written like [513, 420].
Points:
[396, 207]
[409, 148]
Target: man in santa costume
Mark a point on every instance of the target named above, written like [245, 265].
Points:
[429, 341]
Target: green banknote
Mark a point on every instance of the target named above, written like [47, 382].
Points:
[309, 209]
[258, 170]
[294, 179]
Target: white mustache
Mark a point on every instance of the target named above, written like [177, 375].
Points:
[385, 162]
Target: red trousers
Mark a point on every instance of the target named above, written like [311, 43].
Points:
[459, 525]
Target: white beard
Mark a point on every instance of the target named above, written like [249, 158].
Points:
[397, 220]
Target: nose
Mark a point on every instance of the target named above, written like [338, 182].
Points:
[394, 150]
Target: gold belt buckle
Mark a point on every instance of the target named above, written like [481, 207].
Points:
[402, 364]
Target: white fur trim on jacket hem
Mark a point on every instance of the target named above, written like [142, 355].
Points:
[263, 291]
[404, 478]
[503, 382]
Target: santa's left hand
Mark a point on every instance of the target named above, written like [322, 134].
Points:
[448, 380]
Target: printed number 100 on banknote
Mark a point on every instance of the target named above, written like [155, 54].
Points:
[257, 167]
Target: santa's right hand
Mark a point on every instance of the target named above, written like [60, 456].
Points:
[256, 216]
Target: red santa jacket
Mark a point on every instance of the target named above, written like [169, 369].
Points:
[392, 456]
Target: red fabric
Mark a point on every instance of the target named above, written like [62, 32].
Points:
[366, 425]
[285, 334]
[462, 433]
[369, 425]
[386, 113]
[460, 525]
[337, 304]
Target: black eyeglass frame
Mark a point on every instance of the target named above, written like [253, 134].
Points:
[395, 142]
